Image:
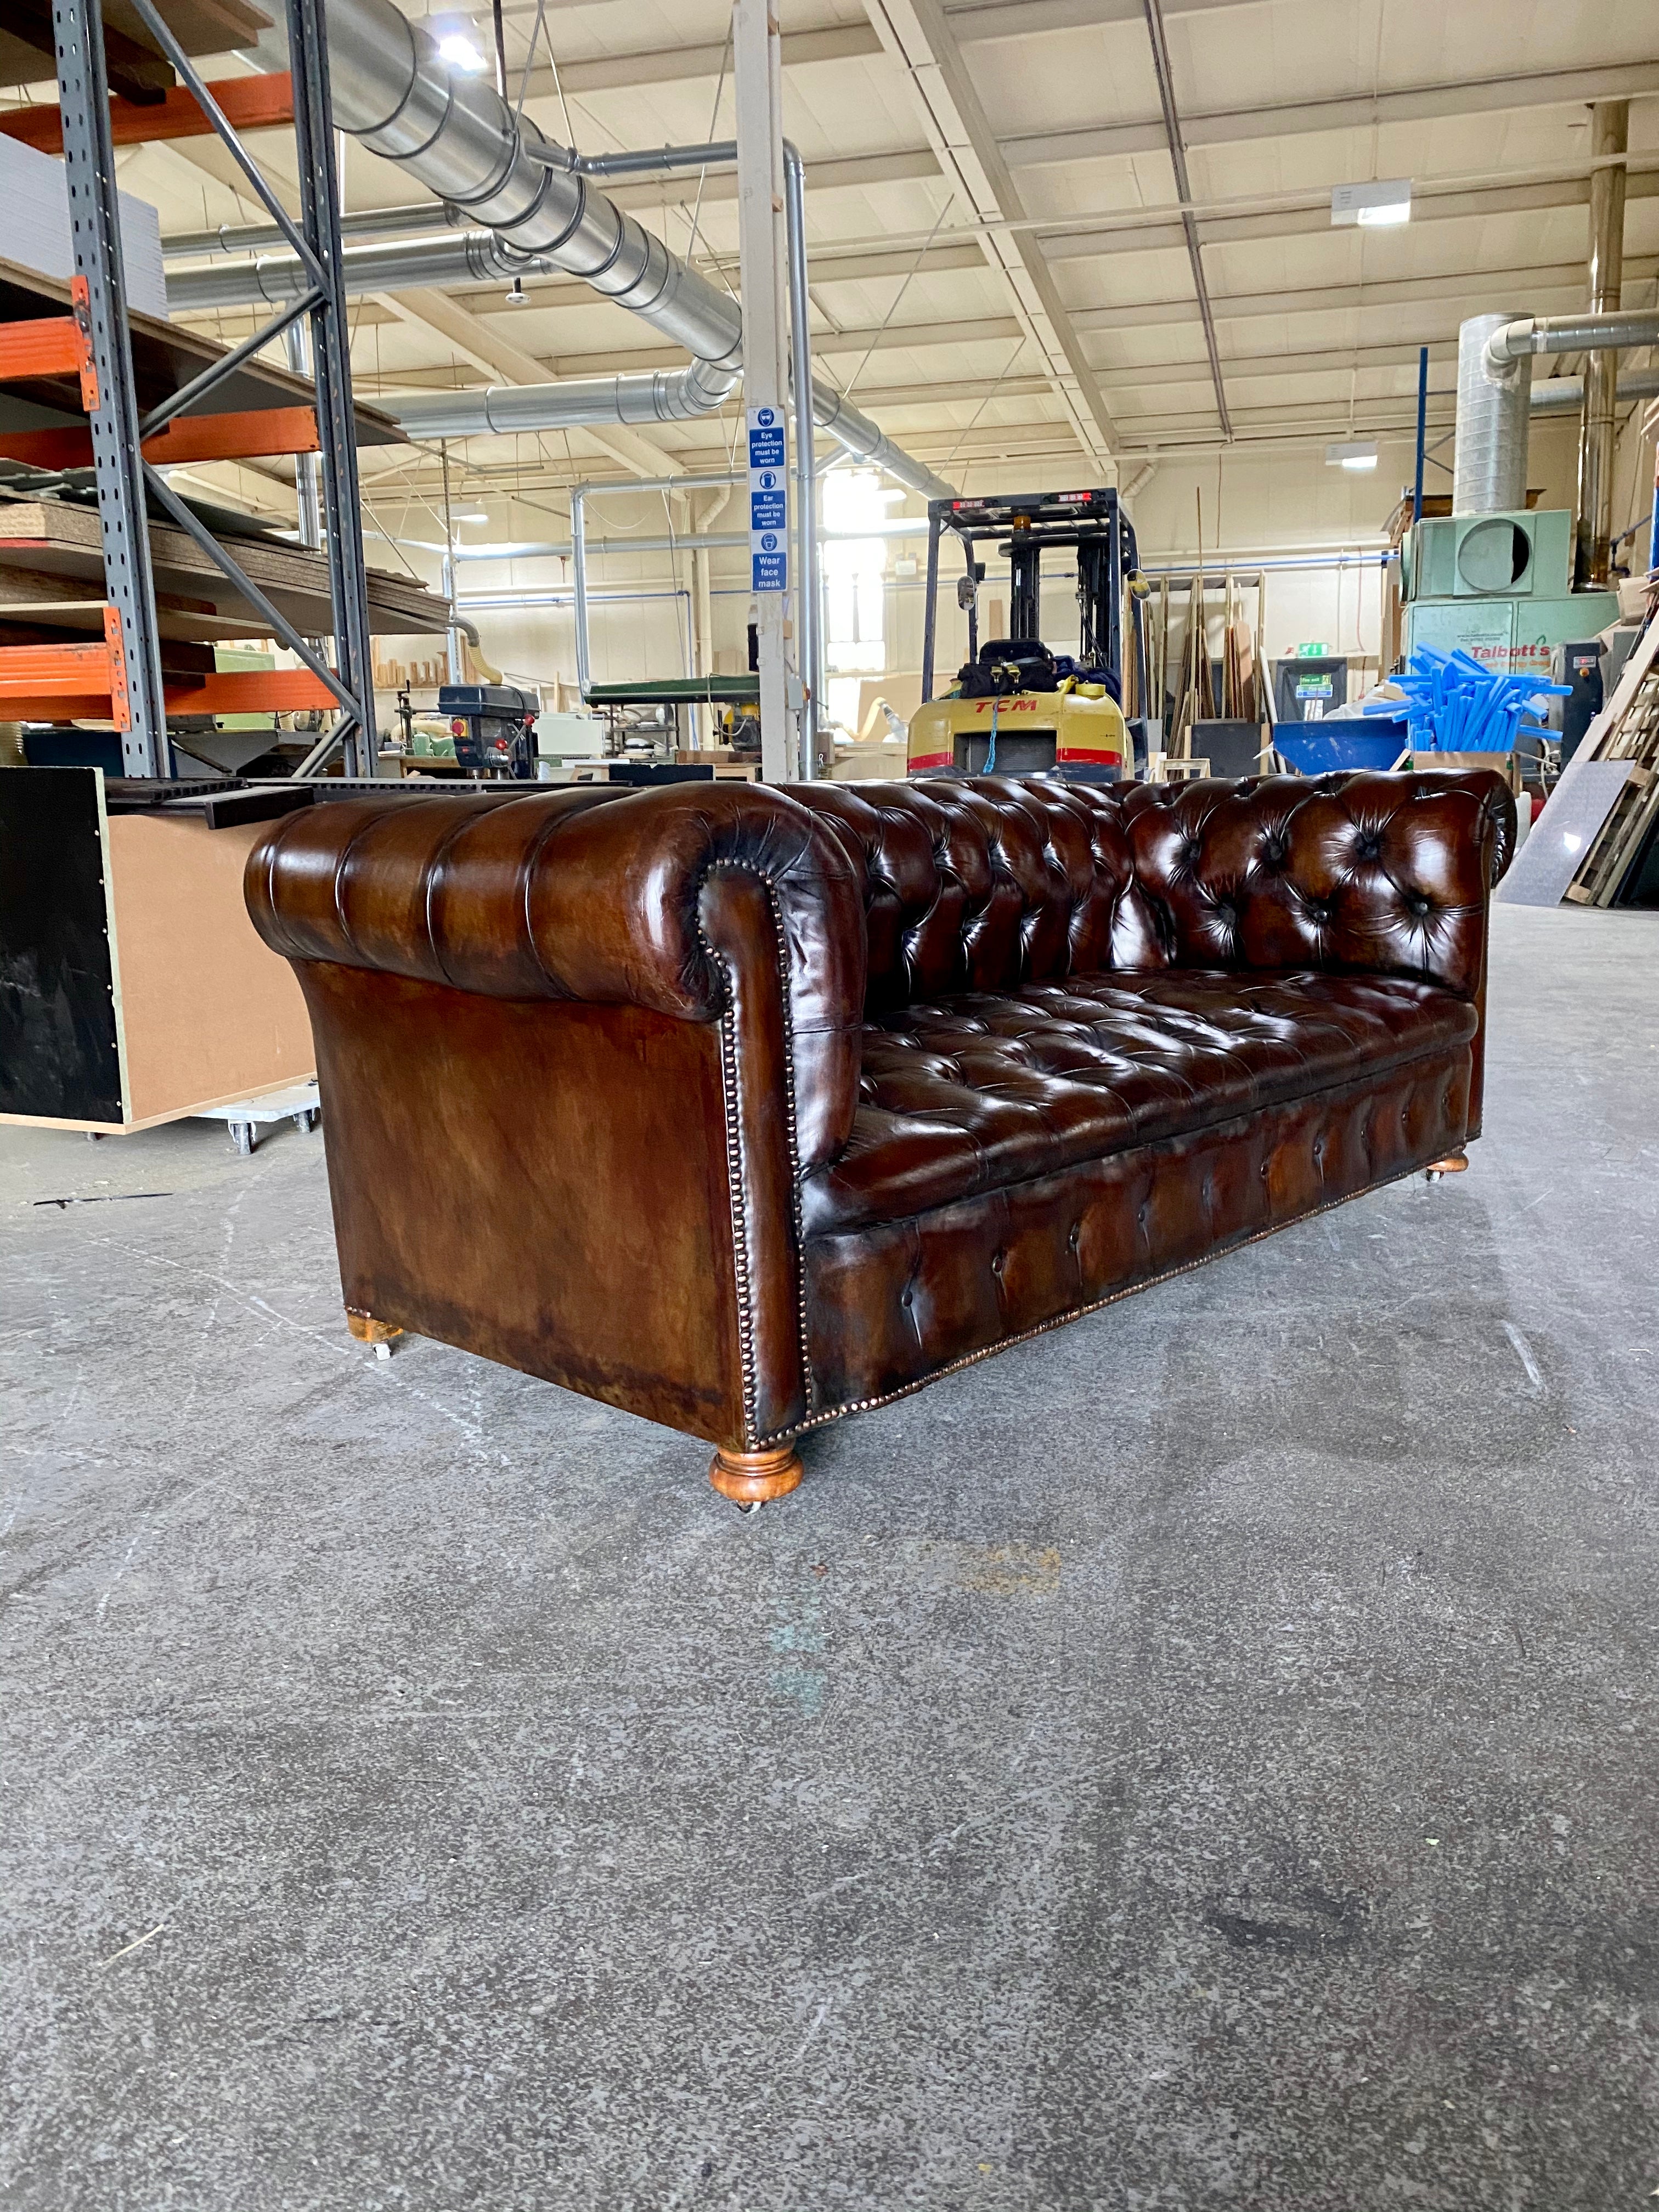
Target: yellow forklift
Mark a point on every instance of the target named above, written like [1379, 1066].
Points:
[1017, 708]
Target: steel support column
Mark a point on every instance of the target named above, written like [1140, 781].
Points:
[758, 75]
[1609, 137]
[106, 377]
[330, 345]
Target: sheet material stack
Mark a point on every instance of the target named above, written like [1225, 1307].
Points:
[34, 193]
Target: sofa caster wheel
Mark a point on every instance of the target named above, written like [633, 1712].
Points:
[1454, 1164]
[367, 1330]
[748, 1479]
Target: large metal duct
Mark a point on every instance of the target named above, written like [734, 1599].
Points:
[508, 408]
[455, 133]
[459, 137]
[468, 256]
[1565, 395]
[1490, 471]
[1531, 334]
[1495, 396]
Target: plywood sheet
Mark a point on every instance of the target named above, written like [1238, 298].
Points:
[1554, 850]
[210, 1012]
[46, 538]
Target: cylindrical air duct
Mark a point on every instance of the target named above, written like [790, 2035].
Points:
[1565, 395]
[1490, 475]
[455, 132]
[392, 89]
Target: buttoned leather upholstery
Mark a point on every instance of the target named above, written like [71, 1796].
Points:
[873, 1078]
[971, 1093]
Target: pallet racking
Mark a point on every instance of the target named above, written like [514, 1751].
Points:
[122, 678]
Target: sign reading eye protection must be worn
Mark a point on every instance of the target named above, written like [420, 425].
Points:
[769, 502]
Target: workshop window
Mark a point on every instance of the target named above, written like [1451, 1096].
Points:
[854, 572]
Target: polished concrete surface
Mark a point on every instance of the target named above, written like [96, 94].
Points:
[1204, 1757]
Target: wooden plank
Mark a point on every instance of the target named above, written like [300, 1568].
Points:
[50, 537]
[201, 26]
[211, 1013]
[248, 103]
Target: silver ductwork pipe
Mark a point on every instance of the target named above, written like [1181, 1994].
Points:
[1530, 334]
[508, 409]
[1490, 471]
[457, 134]
[566, 406]
[415, 219]
[470, 257]
[1565, 395]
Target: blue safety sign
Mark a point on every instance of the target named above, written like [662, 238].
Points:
[769, 502]
[766, 449]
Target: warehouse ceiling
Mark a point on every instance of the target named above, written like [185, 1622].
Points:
[1004, 273]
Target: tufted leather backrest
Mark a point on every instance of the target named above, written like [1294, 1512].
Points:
[988, 883]
[678, 900]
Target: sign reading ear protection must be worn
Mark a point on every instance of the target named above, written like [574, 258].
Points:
[769, 502]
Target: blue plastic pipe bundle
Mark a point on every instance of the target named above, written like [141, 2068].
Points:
[1453, 705]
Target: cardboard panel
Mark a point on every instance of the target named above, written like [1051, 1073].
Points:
[210, 1012]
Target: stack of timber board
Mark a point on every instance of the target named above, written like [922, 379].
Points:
[201, 26]
[1604, 811]
[1626, 730]
[51, 571]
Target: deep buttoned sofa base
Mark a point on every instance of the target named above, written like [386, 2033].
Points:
[746, 1109]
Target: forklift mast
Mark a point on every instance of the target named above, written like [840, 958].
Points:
[1091, 523]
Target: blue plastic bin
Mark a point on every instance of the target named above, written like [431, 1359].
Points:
[1322, 748]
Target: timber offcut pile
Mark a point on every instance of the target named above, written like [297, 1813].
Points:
[51, 577]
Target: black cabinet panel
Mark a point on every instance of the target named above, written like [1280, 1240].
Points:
[58, 1050]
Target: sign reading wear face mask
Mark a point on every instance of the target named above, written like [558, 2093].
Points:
[769, 502]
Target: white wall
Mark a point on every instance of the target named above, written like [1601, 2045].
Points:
[1254, 506]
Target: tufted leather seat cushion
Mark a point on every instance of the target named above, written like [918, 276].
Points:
[978, 1092]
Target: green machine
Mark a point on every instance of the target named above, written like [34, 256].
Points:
[1497, 587]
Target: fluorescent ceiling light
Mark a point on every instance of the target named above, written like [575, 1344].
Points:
[1374, 205]
[1354, 453]
[469, 516]
[459, 52]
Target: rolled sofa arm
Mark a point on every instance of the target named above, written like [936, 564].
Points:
[678, 900]
[1358, 871]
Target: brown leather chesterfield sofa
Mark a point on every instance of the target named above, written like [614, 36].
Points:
[746, 1109]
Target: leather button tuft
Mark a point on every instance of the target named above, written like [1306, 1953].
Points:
[1076, 1234]
[996, 1263]
[906, 1299]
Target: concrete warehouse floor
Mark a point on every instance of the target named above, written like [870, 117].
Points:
[1205, 1757]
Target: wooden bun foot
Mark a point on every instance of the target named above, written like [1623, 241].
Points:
[751, 1478]
[1454, 1164]
[367, 1330]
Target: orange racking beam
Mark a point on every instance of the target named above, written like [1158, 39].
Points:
[76, 683]
[248, 103]
[190, 438]
[49, 346]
